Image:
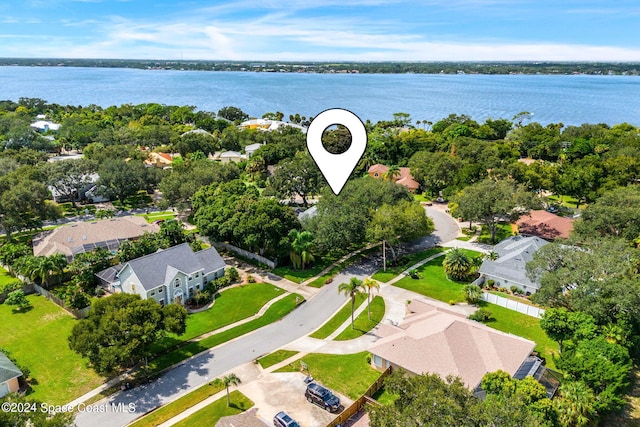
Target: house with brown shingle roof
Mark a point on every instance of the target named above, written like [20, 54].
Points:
[245, 419]
[545, 224]
[436, 340]
[77, 237]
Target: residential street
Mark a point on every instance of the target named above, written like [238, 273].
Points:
[213, 363]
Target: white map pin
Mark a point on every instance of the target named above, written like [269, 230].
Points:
[336, 168]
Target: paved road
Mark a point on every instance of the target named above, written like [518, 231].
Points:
[224, 358]
[215, 362]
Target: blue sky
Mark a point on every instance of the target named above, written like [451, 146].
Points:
[323, 30]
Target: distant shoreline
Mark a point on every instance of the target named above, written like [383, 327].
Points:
[488, 68]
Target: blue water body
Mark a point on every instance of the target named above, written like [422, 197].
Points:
[571, 100]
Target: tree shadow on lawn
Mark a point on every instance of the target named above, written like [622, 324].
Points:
[149, 396]
[22, 310]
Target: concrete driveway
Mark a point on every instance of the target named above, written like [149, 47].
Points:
[275, 392]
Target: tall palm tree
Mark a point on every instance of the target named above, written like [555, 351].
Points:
[575, 405]
[369, 284]
[457, 264]
[229, 380]
[392, 173]
[57, 262]
[351, 289]
[301, 244]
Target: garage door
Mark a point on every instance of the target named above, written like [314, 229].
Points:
[4, 389]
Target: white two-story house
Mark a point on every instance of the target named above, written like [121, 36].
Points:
[169, 276]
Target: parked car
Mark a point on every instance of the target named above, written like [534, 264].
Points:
[322, 397]
[282, 419]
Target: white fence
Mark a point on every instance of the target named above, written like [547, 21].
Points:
[520, 307]
[246, 254]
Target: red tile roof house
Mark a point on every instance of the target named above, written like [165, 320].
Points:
[545, 224]
[404, 178]
[436, 340]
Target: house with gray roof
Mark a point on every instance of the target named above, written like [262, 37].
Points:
[171, 275]
[510, 268]
[9, 374]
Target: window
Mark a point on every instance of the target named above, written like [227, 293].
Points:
[197, 275]
[161, 301]
[152, 293]
[377, 360]
[190, 278]
[161, 290]
[177, 282]
[197, 286]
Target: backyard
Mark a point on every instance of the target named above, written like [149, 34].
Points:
[37, 338]
[6, 278]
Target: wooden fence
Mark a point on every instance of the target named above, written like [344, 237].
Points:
[78, 313]
[358, 405]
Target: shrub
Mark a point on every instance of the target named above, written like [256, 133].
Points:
[251, 279]
[414, 274]
[481, 315]
[472, 293]
[233, 274]
[491, 283]
[452, 302]
[514, 289]
[329, 280]
[457, 264]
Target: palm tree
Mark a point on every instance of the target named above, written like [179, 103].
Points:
[457, 264]
[575, 406]
[472, 293]
[351, 289]
[57, 262]
[301, 244]
[393, 172]
[369, 284]
[229, 380]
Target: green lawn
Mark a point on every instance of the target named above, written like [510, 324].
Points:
[277, 311]
[384, 397]
[434, 282]
[232, 305]
[6, 278]
[409, 260]
[339, 318]
[140, 200]
[155, 216]
[37, 338]
[68, 209]
[566, 201]
[276, 357]
[210, 415]
[506, 320]
[362, 324]
[176, 407]
[502, 232]
[299, 276]
[349, 374]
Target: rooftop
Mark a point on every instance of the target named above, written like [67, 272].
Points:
[545, 224]
[8, 370]
[443, 342]
[79, 237]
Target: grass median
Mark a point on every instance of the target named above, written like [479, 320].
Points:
[362, 323]
[275, 357]
[178, 406]
[338, 319]
[211, 414]
[276, 312]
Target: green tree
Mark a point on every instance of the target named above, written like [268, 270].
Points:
[301, 246]
[575, 404]
[472, 293]
[491, 201]
[296, 176]
[457, 264]
[140, 323]
[370, 284]
[173, 233]
[233, 114]
[434, 171]
[68, 177]
[392, 173]
[228, 381]
[29, 418]
[17, 298]
[121, 179]
[351, 289]
[401, 222]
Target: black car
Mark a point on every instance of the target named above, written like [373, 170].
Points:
[282, 419]
[322, 397]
